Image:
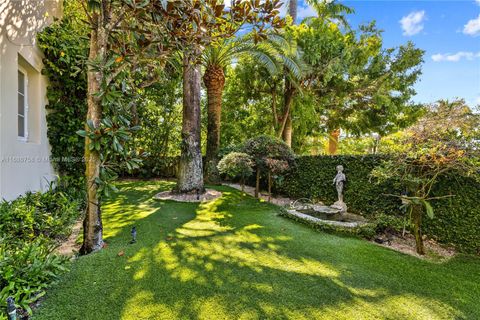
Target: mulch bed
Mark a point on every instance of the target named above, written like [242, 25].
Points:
[208, 195]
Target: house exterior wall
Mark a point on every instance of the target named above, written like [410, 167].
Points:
[24, 163]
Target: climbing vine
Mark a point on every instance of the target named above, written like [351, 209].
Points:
[65, 48]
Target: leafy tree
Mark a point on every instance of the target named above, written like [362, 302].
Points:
[236, 164]
[358, 85]
[445, 140]
[269, 154]
[124, 37]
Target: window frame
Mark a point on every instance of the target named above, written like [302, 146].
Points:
[25, 105]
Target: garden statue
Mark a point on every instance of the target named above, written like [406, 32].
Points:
[339, 182]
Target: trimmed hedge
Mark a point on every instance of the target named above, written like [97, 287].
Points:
[457, 219]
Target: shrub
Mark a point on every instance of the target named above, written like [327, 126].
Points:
[30, 228]
[27, 269]
[38, 214]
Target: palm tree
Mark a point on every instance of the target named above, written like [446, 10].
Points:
[273, 53]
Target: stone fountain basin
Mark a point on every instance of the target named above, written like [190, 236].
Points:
[330, 216]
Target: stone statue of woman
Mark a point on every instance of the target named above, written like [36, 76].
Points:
[339, 182]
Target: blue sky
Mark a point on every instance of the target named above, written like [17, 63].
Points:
[449, 32]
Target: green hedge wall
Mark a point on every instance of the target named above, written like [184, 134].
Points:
[457, 219]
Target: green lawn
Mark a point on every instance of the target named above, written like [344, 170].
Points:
[234, 258]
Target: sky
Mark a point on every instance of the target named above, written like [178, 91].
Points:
[448, 31]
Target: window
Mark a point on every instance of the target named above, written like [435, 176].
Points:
[22, 105]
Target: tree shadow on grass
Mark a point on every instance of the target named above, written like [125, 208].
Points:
[233, 259]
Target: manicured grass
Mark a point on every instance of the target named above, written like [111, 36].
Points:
[234, 258]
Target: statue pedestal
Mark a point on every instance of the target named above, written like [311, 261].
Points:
[340, 205]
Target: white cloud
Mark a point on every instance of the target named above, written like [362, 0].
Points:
[478, 2]
[472, 27]
[306, 11]
[413, 23]
[456, 56]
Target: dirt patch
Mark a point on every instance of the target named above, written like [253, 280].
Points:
[406, 244]
[208, 195]
[71, 247]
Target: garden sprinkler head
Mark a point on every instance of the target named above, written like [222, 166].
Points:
[134, 234]
[11, 309]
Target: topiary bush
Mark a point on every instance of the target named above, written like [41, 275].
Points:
[270, 155]
[456, 219]
[236, 164]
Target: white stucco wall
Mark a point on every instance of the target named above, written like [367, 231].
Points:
[24, 165]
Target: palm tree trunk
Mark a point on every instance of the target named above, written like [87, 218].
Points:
[292, 10]
[92, 224]
[214, 80]
[190, 175]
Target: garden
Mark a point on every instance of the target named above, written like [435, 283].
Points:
[234, 161]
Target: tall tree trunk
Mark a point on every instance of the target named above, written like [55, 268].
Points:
[257, 184]
[214, 80]
[292, 10]
[190, 173]
[333, 142]
[417, 212]
[92, 224]
[269, 186]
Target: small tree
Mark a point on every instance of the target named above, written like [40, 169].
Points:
[236, 164]
[445, 140]
[275, 167]
[268, 154]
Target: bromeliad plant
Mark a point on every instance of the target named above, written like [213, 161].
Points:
[445, 141]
